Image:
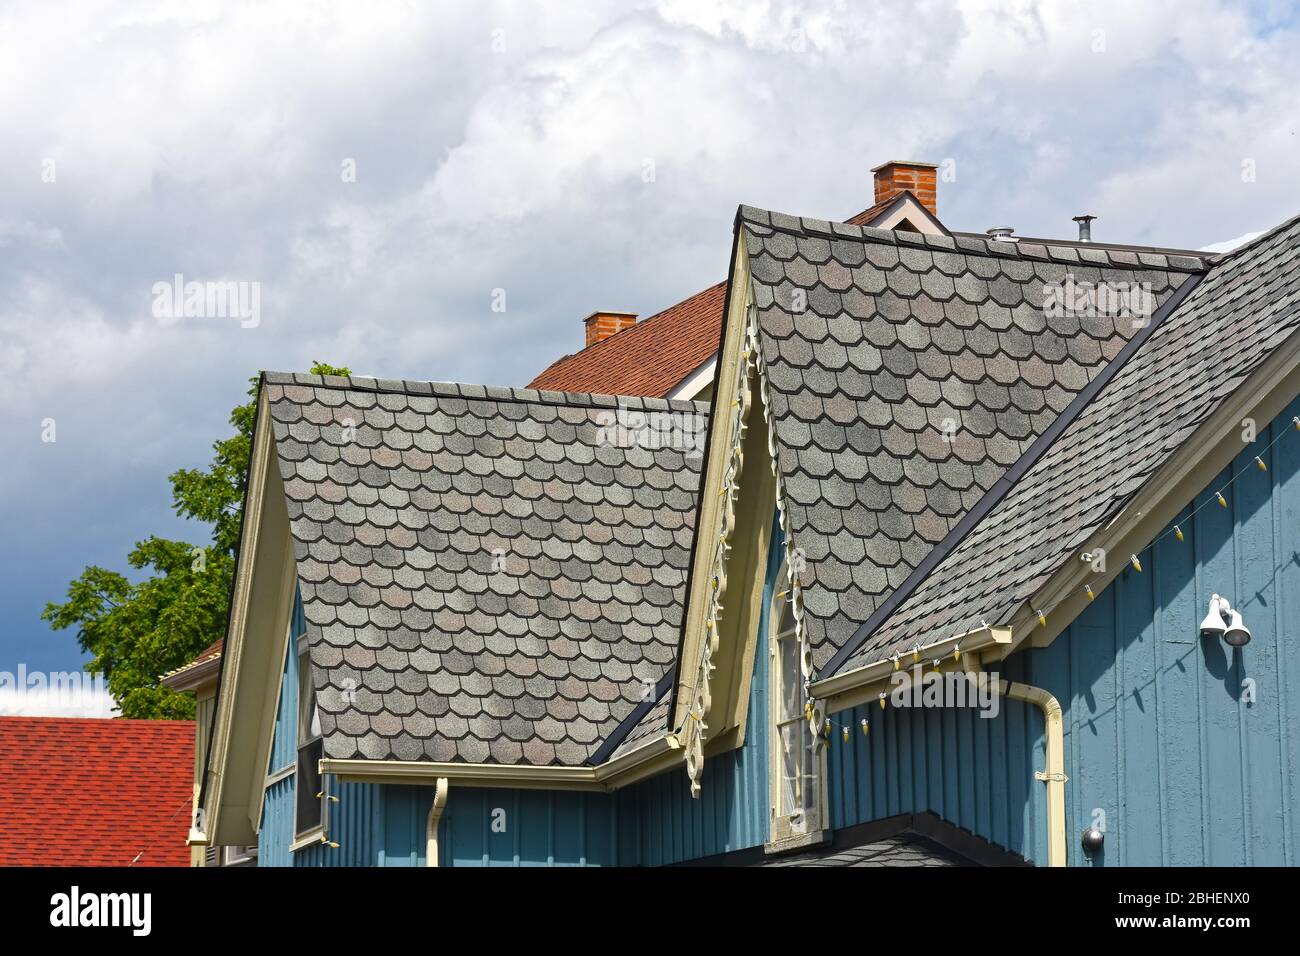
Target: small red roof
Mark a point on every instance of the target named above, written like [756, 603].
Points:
[85, 792]
[650, 358]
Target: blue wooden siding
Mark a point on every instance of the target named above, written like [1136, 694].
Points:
[976, 772]
[349, 821]
[1161, 740]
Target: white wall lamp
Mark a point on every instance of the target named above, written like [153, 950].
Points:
[1222, 621]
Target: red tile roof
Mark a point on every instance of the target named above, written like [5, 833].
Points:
[83, 792]
[651, 357]
[654, 356]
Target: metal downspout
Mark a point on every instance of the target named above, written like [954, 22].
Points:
[1054, 776]
[431, 824]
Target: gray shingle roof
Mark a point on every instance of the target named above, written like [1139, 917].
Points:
[903, 849]
[1246, 306]
[918, 370]
[484, 578]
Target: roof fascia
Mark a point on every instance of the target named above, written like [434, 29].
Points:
[195, 677]
[1185, 474]
[954, 652]
[656, 755]
[719, 510]
[253, 656]
[697, 382]
[906, 206]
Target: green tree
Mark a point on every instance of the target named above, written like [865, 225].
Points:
[137, 631]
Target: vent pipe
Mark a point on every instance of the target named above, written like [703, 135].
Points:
[1001, 234]
[1085, 227]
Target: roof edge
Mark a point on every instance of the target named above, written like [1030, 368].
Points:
[1069, 255]
[494, 393]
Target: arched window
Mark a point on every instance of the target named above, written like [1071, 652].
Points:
[796, 760]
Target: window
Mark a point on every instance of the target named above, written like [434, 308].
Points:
[796, 758]
[308, 812]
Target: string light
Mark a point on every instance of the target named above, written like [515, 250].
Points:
[1087, 589]
[1137, 565]
[1222, 500]
[1260, 463]
[882, 700]
[845, 731]
[866, 727]
[1042, 619]
[1178, 532]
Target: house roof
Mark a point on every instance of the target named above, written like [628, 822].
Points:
[906, 377]
[654, 356]
[1242, 310]
[488, 575]
[649, 358]
[105, 792]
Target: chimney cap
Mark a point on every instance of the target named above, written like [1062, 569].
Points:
[1001, 234]
[904, 162]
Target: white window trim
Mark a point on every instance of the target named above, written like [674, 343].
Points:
[779, 839]
[316, 833]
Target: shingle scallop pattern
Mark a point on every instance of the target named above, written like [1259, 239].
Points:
[907, 373]
[1244, 308]
[486, 577]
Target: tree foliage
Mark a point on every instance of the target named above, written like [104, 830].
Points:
[138, 630]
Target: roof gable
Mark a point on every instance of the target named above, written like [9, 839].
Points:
[488, 575]
[906, 374]
[1235, 318]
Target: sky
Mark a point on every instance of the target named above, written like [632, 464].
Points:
[383, 174]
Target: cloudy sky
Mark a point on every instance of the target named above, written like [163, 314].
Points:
[380, 169]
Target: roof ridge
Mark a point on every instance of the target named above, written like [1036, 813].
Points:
[1002, 487]
[1264, 236]
[969, 245]
[496, 393]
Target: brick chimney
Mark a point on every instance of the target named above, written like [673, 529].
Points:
[601, 325]
[904, 174]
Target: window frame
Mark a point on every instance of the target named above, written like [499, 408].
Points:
[305, 743]
[783, 833]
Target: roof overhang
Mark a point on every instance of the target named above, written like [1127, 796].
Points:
[194, 677]
[656, 755]
[959, 651]
[252, 661]
[1188, 471]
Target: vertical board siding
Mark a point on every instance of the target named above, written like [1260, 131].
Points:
[1164, 746]
[973, 771]
[349, 821]
[661, 823]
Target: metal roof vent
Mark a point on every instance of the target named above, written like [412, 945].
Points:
[1001, 234]
[1085, 227]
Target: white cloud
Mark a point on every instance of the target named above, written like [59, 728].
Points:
[505, 146]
